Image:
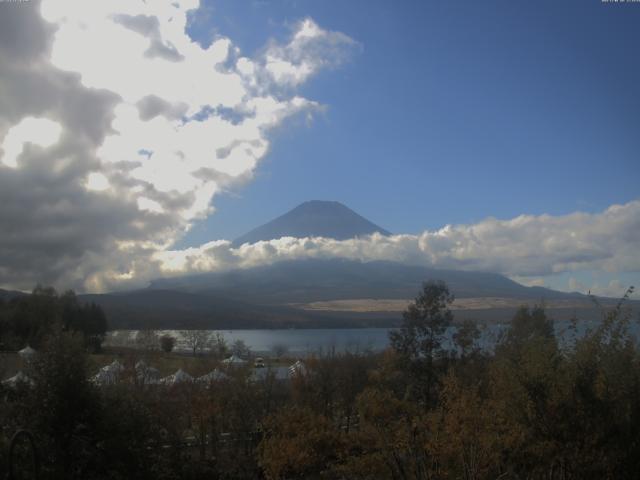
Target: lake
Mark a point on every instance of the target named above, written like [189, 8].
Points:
[293, 341]
[303, 342]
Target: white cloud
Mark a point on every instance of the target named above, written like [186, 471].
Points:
[38, 131]
[311, 49]
[140, 51]
[529, 281]
[117, 130]
[614, 289]
[531, 245]
[97, 181]
[526, 248]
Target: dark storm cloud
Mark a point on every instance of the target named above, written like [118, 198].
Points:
[150, 27]
[53, 230]
[24, 37]
[151, 106]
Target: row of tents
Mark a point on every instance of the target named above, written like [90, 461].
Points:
[147, 375]
[27, 353]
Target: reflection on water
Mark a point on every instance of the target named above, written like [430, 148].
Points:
[302, 342]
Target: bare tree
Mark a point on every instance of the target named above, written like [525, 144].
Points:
[218, 346]
[240, 348]
[196, 340]
[279, 349]
[147, 339]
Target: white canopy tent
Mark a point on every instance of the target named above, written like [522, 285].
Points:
[298, 368]
[115, 366]
[141, 364]
[234, 360]
[17, 379]
[179, 377]
[27, 353]
[146, 374]
[109, 374]
[105, 377]
[212, 376]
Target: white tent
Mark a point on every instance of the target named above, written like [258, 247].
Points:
[297, 368]
[105, 377]
[18, 378]
[212, 376]
[115, 366]
[27, 353]
[147, 374]
[141, 365]
[109, 374]
[179, 377]
[234, 360]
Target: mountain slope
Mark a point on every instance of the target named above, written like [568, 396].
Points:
[280, 295]
[302, 281]
[175, 309]
[312, 292]
[315, 218]
[6, 295]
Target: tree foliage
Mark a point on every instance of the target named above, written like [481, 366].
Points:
[419, 340]
[30, 319]
[167, 343]
[533, 409]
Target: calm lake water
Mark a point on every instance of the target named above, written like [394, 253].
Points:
[293, 341]
[313, 341]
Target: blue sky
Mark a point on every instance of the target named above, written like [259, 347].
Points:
[498, 136]
[451, 112]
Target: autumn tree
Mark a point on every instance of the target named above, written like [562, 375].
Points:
[528, 324]
[602, 416]
[465, 338]
[298, 443]
[30, 319]
[64, 407]
[241, 412]
[419, 340]
[390, 442]
[87, 318]
[351, 378]
[467, 435]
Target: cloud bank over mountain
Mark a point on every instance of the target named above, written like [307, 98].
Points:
[117, 130]
[526, 246]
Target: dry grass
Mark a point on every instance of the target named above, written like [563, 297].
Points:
[394, 305]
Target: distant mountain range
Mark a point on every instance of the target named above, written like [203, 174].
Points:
[9, 294]
[320, 293]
